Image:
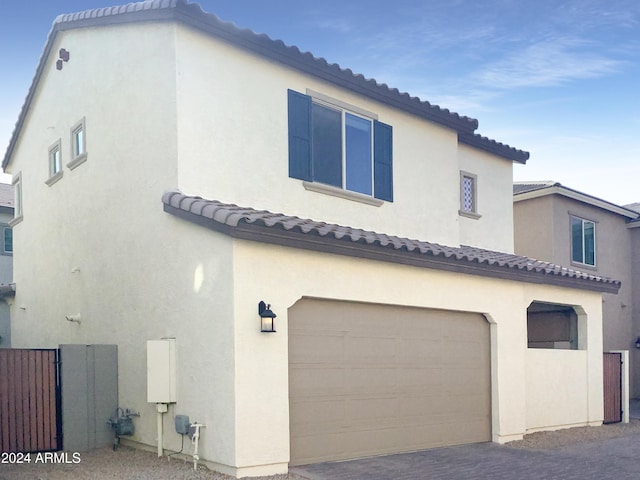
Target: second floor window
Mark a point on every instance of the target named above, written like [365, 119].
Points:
[337, 146]
[8, 240]
[78, 144]
[583, 241]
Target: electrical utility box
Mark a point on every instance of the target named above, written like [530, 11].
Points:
[161, 371]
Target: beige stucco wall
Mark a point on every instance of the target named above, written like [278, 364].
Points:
[543, 231]
[532, 235]
[97, 242]
[515, 369]
[495, 202]
[635, 275]
[233, 147]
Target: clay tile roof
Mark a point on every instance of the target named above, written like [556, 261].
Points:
[524, 187]
[264, 226]
[492, 146]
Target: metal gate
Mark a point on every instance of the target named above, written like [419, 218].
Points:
[612, 374]
[30, 419]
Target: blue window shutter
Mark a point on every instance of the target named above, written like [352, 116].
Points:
[299, 136]
[383, 161]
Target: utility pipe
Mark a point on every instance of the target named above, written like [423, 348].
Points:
[194, 440]
[161, 408]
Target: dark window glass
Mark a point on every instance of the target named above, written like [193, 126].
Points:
[327, 145]
[583, 241]
[8, 240]
[358, 149]
[576, 240]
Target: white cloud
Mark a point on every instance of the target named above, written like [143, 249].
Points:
[548, 62]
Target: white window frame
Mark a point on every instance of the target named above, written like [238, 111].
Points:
[17, 194]
[78, 153]
[344, 108]
[595, 241]
[55, 166]
[464, 211]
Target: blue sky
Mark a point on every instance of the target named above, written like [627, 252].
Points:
[559, 79]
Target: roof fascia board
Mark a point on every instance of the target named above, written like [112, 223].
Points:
[494, 147]
[307, 63]
[575, 195]
[261, 234]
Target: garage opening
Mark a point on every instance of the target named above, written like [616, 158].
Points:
[368, 379]
[552, 326]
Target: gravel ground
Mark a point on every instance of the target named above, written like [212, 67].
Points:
[128, 463]
[572, 436]
[125, 463]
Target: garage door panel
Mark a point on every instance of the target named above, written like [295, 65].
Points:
[360, 350]
[385, 379]
[317, 348]
[419, 350]
[318, 380]
[319, 415]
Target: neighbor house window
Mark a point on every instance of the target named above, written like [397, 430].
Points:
[340, 145]
[583, 241]
[55, 163]
[8, 240]
[17, 193]
[468, 195]
[78, 144]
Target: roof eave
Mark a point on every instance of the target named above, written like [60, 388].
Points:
[494, 147]
[264, 234]
[193, 15]
[561, 190]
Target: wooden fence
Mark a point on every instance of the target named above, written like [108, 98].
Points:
[29, 400]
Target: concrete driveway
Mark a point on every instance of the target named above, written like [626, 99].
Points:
[617, 458]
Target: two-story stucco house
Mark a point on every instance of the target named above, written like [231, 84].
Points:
[567, 227]
[173, 171]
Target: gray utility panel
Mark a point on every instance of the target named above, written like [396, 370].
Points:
[89, 380]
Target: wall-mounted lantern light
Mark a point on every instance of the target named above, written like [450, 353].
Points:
[267, 318]
[638, 342]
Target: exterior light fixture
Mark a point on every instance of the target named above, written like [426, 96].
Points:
[638, 342]
[267, 317]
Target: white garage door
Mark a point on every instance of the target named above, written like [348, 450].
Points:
[369, 379]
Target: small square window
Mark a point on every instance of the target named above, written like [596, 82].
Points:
[468, 195]
[78, 144]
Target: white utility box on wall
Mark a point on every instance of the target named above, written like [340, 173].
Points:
[161, 371]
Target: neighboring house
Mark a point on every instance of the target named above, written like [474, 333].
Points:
[6, 262]
[313, 181]
[577, 230]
